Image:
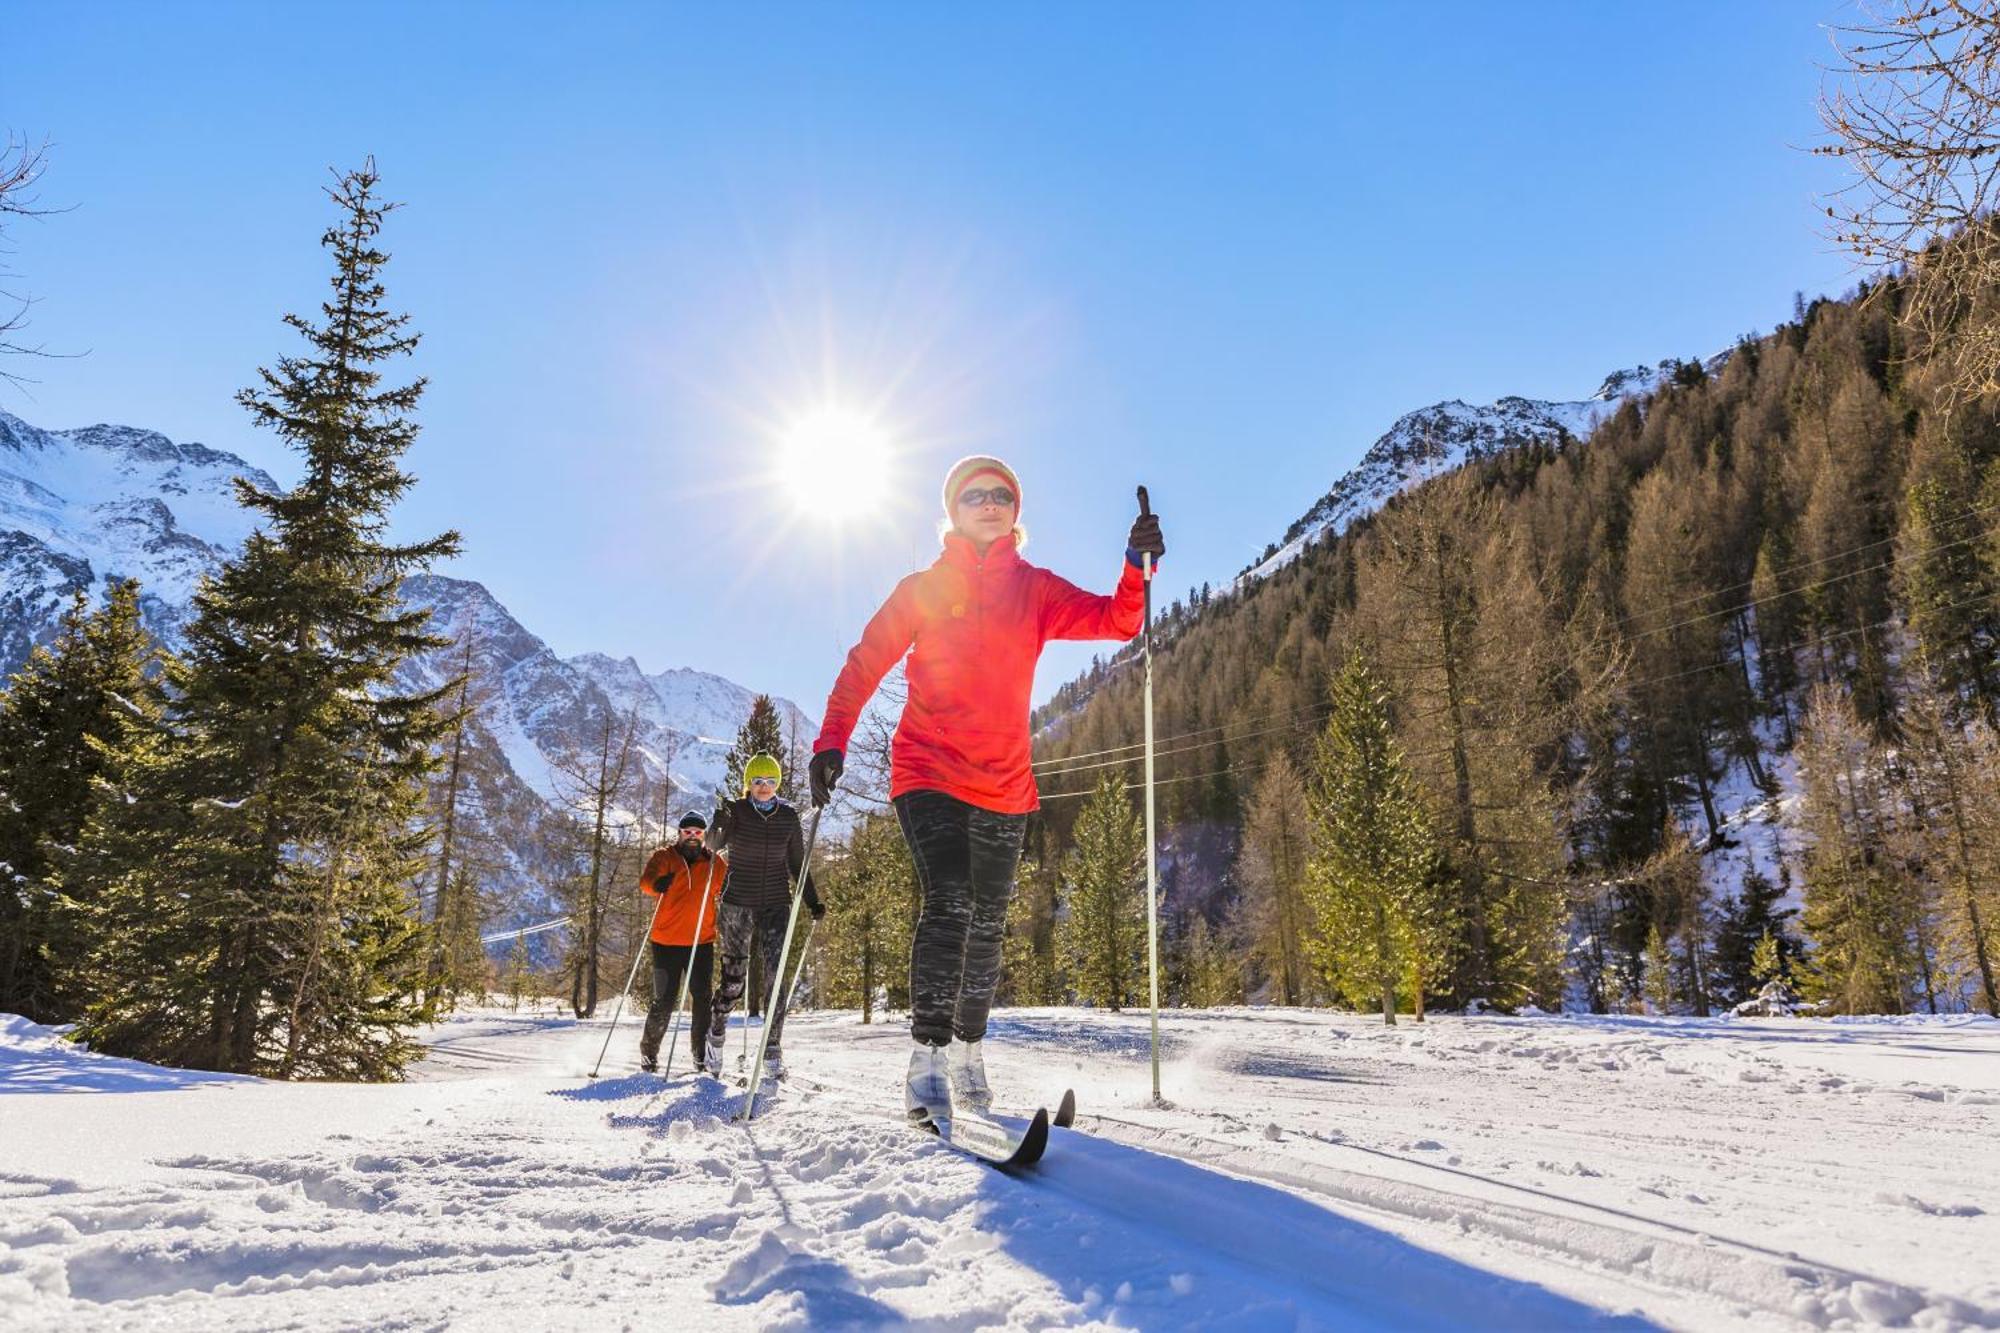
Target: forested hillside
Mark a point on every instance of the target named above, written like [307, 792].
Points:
[1776, 580]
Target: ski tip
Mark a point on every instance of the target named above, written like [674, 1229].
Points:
[1033, 1143]
[1065, 1115]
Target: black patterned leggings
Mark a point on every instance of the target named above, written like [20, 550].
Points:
[965, 858]
[735, 927]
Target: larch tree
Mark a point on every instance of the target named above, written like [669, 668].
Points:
[1276, 844]
[595, 780]
[1859, 917]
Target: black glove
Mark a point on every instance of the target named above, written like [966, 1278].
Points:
[1145, 539]
[825, 771]
[722, 825]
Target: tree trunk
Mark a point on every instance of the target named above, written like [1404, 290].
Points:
[1388, 971]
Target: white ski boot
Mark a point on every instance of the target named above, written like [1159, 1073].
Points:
[967, 1065]
[774, 1066]
[711, 1058]
[927, 1089]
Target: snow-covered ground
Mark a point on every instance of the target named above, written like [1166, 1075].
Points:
[1310, 1171]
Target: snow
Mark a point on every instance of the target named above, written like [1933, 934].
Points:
[1310, 1170]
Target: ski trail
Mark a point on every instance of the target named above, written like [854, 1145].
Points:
[1696, 1264]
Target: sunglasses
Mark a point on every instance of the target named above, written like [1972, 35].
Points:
[998, 495]
[763, 782]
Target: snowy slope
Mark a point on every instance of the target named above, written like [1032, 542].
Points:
[1312, 1170]
[1440, 437]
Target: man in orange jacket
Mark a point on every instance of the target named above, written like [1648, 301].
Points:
[686, 879]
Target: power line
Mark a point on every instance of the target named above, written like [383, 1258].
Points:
[1065, 764]
[524, 931]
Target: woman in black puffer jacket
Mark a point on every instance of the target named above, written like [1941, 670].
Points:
[762, 837]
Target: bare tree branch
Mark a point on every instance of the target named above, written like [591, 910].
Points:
[1914, 108]
[21, 166]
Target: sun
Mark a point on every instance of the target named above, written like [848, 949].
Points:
[835, 460]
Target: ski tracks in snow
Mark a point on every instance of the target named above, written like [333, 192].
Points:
[1312, 1173]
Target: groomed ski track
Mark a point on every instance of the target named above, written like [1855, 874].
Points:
[1310, 1171]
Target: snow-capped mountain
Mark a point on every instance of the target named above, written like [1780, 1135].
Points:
[540, 707]
[1438, 438]
[79, 508]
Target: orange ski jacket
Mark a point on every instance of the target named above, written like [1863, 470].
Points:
[974, 628]
[679, 888]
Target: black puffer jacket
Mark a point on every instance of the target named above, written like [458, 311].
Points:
[765, 852]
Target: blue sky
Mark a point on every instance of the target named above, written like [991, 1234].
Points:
[1214, 248]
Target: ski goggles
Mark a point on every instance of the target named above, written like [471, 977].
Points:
[977, 496]
[763, 782]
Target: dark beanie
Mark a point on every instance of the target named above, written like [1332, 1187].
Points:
[693, 820]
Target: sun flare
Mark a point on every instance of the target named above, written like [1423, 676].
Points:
[835, 460]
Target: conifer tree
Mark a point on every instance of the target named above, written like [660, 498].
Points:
[1102, 938]
[1751, 920]
[1276, 843]
[1947, 589]
[1767, 960]
[594, 780]
[458, 964]
[67, 722]
[284, 807]
[1028, 973]
[763, 732]
[1859, 918]
[1210, 971]
[1374, 856]
[1659, 971]
[1951, 777]
[869, 918]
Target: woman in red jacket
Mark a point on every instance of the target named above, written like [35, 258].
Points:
[973, 625]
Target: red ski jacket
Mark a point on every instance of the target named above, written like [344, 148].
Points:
[974, 628]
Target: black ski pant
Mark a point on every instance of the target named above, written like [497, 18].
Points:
[670, 965]
[965, 858]
[736, 927]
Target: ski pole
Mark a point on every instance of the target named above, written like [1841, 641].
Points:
[645, 938]
[805, 952]
[687, 977]
[775, 983]
[1152, 854]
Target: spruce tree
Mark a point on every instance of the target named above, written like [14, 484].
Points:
[865, 939]
[1375, 857]
[1102, 938]
[1659, 971]
[1750, 920]
[763, 732]
[68, 721]
[285, 805]
[1028, 973]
